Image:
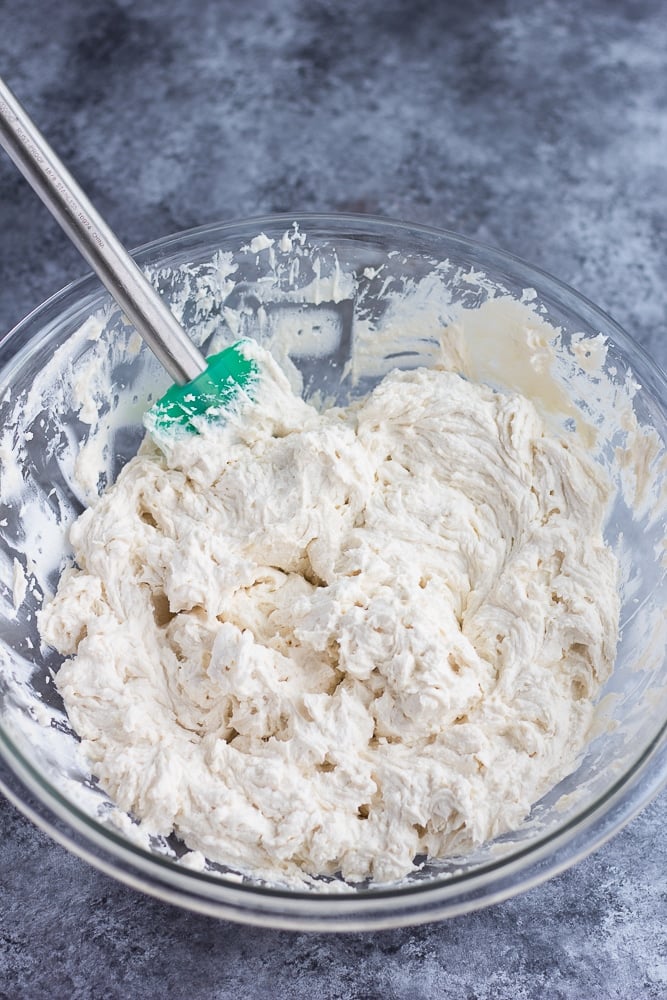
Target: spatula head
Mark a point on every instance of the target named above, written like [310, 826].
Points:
[228, 377]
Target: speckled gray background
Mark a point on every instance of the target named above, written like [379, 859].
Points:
[538, 127]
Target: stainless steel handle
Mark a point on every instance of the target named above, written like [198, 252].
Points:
[121, 276]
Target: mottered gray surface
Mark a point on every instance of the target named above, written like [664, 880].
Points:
[540, 128]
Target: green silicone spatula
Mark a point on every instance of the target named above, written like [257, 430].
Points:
[203, 386]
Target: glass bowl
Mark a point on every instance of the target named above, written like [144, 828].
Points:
[341, 300]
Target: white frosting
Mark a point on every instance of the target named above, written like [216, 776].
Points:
[318, 642]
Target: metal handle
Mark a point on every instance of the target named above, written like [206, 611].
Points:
[121, 276]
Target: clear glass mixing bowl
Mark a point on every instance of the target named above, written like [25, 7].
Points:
[73, 378]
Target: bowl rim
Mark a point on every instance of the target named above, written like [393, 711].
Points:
[541, 858]
[89, 282]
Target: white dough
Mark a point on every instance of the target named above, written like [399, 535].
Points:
[312, 643]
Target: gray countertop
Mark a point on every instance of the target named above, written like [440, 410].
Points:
[538, 127]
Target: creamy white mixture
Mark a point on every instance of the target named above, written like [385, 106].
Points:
[328, 642]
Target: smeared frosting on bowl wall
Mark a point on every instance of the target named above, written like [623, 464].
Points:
[319, 646]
